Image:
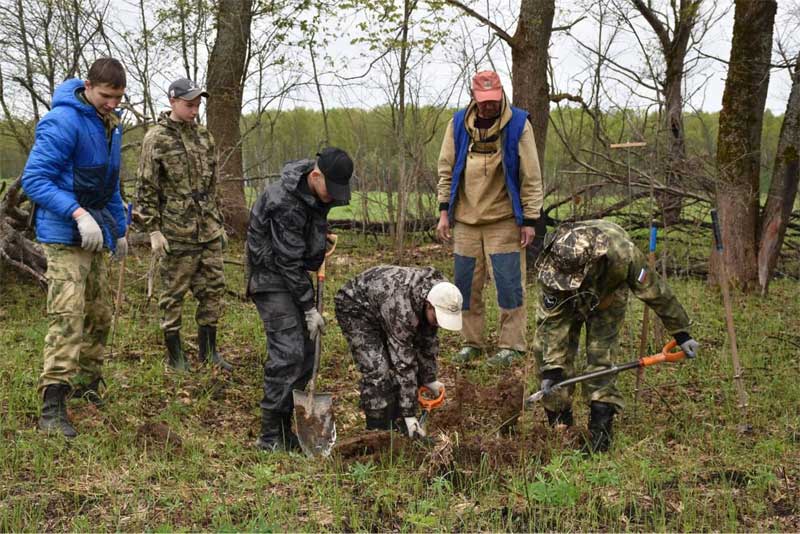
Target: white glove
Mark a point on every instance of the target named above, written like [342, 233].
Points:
[415, 430]
[315, 323]
[435, 387]
[690, 347]
[91, 234]
[158, 243]
[122, 248]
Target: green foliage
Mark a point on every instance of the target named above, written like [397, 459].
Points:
[677, 464]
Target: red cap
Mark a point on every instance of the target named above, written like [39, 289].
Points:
[486, 86]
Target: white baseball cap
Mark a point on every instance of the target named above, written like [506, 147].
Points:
[446, 300]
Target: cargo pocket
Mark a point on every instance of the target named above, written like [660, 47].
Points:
[280, 323]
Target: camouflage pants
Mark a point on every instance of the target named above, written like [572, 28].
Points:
[79, 315]
[199, 268]
[491, 248]
[379, 385]
[290, 350]
[559, 321]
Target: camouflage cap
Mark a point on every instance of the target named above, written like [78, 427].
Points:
[569, 253]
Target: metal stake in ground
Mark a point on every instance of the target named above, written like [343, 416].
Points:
[726, 301]
[651, 262]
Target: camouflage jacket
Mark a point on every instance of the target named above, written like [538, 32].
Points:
[623, 266]
[286, 236]
[395, 298]
[178, 182]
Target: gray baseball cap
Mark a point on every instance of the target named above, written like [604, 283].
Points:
[185, 89]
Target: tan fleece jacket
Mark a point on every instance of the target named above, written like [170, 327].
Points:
[482, 196]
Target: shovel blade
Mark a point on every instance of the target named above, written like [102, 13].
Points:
[316, 428]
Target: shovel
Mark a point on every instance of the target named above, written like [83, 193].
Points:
[664, 356]
[313, 411]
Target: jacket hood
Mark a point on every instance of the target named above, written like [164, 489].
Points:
[505, 112]
[293, 172]
[66, 95]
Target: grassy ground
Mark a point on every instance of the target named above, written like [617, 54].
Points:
[678, 461]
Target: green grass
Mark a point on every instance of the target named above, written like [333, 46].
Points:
[677, 464]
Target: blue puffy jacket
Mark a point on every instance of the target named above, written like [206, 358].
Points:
[71, 165]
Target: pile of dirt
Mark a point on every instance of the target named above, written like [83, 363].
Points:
[158, 435]
[477, 424]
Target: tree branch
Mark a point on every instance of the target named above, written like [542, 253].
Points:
[474, 14]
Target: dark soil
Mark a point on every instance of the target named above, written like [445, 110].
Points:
[476, 424]
[159, 435]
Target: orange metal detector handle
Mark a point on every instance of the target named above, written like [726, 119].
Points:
[665, 356]
[428, 403]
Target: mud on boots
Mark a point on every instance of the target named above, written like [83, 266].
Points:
[54, 418]
[207, 347]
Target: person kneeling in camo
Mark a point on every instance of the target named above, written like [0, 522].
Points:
[586, 271]
[389, 316]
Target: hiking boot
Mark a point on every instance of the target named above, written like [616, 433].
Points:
[467, 354]
[207, 348]
[601, 417]
[506, 357]
[175, 356]
[91, 392]
[564, 417]
[276, 433]
[54, 416]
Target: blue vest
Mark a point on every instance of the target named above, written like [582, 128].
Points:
[510, 136]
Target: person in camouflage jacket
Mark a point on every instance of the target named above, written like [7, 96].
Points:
[585, 272]
[180, 209]
[389, 316]
[286, 238]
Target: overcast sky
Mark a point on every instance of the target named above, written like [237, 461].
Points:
[440, 78]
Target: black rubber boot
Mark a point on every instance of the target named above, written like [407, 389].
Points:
[276, 432]
[207, 346]
[91, 392]
[175, 356]
[601, 417]
[290, 440]
[564, 417]
[54, 411]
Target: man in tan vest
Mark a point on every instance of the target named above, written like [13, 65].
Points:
[490, 194]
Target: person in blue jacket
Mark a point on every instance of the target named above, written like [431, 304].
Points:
[72, 177]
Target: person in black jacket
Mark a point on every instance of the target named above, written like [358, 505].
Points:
[286, 239]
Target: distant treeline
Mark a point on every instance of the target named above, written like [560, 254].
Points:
[370, 137]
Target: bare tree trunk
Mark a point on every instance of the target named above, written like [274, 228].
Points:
[529, 55]
[783, 188]
[400, 132]
[739, 141]
[226, 66]
[674, 44]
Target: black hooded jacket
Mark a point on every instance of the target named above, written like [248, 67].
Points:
[286, 236]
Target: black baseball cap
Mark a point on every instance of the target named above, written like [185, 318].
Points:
[337, 167]
[185, 89]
